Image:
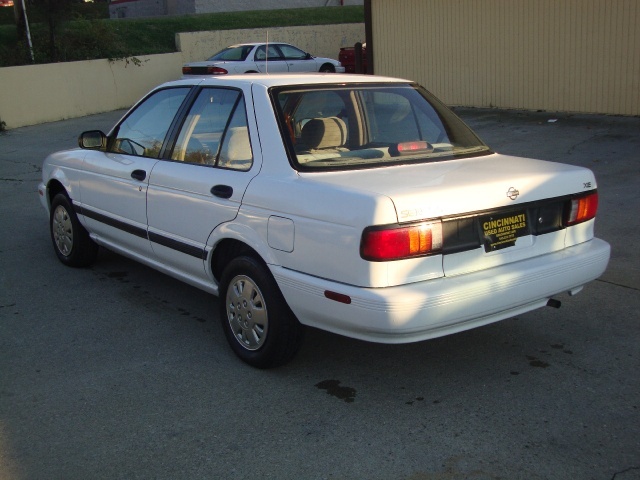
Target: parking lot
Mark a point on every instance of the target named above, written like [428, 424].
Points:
[118, 371]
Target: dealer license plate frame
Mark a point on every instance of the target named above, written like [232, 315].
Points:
[501, 230]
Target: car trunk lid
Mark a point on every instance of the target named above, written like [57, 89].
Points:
[494, 209]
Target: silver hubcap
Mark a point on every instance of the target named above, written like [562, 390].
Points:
[62, 230]
[247, 312]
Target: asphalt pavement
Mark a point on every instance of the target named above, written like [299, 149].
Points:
[120, 372]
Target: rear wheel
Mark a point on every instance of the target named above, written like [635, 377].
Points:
[71, 241]
[258, 324]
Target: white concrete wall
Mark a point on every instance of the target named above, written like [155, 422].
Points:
[36, 94]
[45, 93]
[320, 40]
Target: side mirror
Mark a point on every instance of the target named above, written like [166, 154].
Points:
[92, 140]
[308, 56]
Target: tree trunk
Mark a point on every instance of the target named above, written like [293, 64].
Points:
[51, 14]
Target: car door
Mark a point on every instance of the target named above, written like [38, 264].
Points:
[298, 60]
[113, 191]
[268, 59]
[202, 184]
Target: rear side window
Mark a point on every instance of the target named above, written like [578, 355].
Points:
[270, 52]
[215, 131]
[233, 54]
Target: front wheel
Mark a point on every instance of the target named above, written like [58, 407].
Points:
[258, 324]
[71, 241]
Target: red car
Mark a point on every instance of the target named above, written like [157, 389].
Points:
[347, 57]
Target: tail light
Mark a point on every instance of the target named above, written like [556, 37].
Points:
[581, 209]
[380, 244]
[203, 71]
[216, 71]
[397, 242]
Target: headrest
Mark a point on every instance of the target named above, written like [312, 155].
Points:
[330, 132]
[236, 149]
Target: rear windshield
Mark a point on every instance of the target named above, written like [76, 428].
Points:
[232, 54]
[334, 127]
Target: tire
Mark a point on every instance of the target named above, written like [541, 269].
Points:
[259, 325]
[327, 68]
[71, 241]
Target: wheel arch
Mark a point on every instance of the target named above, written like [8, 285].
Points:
[225, 251]
[57, 181]
[327, 67]
[54, 187]
[231, 240]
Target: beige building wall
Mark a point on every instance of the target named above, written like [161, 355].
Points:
[558, 55]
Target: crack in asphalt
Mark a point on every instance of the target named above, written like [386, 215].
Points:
[624, 471]
[618, 284]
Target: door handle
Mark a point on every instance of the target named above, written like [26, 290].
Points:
[139, 175]
[222, 191]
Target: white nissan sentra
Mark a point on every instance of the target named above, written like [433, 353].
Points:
[360, 205]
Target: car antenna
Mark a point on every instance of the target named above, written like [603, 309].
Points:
[266, 55]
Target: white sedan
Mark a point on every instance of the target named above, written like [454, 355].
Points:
[262, 58]
[359, 205]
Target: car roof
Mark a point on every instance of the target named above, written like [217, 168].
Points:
[253, 44]
[284, 79]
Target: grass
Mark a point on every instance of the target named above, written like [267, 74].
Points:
[90, 35]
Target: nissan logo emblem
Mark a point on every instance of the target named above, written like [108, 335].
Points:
[512, 193]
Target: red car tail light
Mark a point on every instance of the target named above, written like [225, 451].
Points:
[581, 209]
[186, 70]
[216, 71]
[400, 242]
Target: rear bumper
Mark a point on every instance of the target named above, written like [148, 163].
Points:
[442, 306]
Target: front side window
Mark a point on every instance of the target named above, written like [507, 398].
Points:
[215, 131]
[366, 125]
[292, 53]
[143, 131]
